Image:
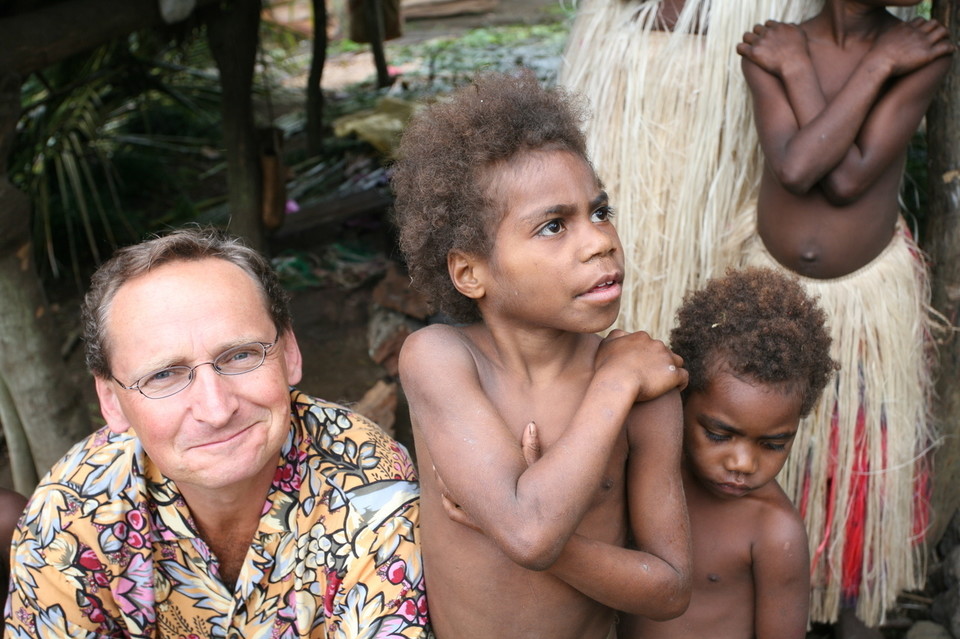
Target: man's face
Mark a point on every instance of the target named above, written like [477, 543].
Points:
[221, 432]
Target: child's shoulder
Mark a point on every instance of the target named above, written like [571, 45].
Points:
[779, 520]
[439, 345]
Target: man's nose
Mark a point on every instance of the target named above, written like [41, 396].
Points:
[213, 400]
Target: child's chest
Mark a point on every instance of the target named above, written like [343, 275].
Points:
[554, 411]
[834, 66]
[722, 547]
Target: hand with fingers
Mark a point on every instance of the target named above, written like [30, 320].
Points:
[639, 359]
[773, 46]
[907, 46]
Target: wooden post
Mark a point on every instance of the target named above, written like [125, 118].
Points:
[943, 143]
[314, 90]
[233, 33]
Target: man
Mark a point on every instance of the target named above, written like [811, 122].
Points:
[217, 501]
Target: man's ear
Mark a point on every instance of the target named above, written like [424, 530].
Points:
[467, 273]
[292, 358]
[110, 405]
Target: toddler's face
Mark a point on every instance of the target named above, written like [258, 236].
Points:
[738, 433]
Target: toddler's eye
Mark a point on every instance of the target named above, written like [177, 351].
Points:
[551, 228]
[715, 437]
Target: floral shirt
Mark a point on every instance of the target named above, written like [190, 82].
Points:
[108, 548]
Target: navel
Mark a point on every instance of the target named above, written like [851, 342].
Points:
[713, 578]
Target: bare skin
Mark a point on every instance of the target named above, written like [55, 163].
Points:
[837, 99]
[750, 557]
[551, 282]
[668, 14]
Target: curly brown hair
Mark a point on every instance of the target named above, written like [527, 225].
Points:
[447, 159]
[759, 324]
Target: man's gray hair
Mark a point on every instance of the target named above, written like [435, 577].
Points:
[188, 244]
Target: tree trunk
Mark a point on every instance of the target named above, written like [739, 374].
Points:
[314, 90]
[233, 30]
[374, 10]
[943, 142]
[47, 403]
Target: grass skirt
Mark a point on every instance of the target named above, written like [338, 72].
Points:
[672, 137]
[859, 469]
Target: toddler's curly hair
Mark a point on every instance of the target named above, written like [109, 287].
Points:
[447, 163]
[760, 325]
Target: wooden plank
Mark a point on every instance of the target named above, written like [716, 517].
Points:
[413, 9]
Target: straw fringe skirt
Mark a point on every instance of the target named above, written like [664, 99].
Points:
[859, 468]
[672, 137]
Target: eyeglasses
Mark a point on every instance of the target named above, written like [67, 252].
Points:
[173, 379]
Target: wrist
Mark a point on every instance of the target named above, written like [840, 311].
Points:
[876, 63]
[795, 68]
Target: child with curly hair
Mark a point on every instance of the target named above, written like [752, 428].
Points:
[506, 227]
[758, 355]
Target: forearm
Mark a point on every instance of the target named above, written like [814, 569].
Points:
[553, 493]
[633, 581]
[825, 141]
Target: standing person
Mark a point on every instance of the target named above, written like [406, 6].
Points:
[217, 501]
[837, 100]
[758, 355]
[506, 227]
[672, 136]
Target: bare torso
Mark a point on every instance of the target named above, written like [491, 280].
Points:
[809, 234]
[726, 533]
[812, 237]
[475, 591]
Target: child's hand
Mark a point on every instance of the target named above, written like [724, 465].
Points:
[453, 510]
[907, 46]
[773, 45]
[642, 360]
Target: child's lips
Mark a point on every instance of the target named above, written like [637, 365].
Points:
[737, 490]
[608, 286]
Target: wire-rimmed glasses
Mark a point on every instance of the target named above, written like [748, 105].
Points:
[173, 379]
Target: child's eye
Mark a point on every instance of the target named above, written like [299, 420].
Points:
[715, 437]
[774, 446]
[603, 214]
[551, 228]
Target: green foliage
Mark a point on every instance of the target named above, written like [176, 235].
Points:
[95, 133]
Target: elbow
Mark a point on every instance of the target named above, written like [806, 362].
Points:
[794, 179]
[674, 605]
[673, 602]
[533, 550]
[841, 192]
